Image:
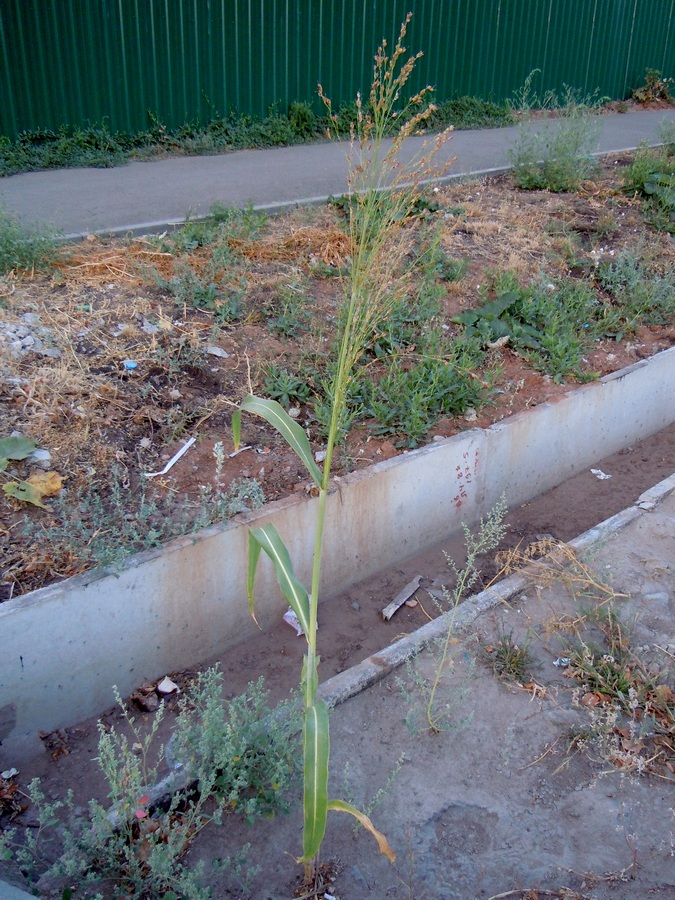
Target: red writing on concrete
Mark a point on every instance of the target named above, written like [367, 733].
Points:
[465, 474]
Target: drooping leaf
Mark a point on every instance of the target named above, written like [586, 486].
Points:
[278, 418]
[16, 447]
[48, 483]
[316, 750]
[24, 492]
[268, 539]
[382, 842]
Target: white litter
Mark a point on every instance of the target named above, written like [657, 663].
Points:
[174, 459]
[9, 773]
[291, 619]
[602, 476]
[167, 686]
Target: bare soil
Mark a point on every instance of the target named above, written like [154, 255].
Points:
[104, 424]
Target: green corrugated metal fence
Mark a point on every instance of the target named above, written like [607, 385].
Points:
[78, 62]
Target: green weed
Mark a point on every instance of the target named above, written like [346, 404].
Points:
[640, 297]
[98, 146]
[285, 387]
[556, 157]
[509, 660]
[287, 315]
[24, 249]
[551, 325]
[655, 88]
[569, 101]
[236, 756]
[433, 703]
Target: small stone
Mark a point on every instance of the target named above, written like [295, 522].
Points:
[149, 328]
[658, 597]
[356, 605]
[320, 455]
[41, 458]
[471, 415]
[30, 318]
[27, 342]
[51, 352]
[217, 351]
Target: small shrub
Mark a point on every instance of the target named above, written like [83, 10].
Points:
[23, 249]
[557, 158]
[640, 297]
[655, 88]
[237, 756]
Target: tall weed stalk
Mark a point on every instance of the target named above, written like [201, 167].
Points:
[385, 192]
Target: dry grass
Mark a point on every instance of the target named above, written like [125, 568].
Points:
[91, 413]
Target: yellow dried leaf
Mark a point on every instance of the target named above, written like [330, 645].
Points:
[48, 483]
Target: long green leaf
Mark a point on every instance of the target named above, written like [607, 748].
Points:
[316, 750]
[236, 428]
[292, 433]
[382, 842]
[268, 539]
[254, 548]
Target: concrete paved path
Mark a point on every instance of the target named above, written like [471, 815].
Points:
[148, 196]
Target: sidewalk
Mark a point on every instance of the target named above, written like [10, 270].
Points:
[149, 196]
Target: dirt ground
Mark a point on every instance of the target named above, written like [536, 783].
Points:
[109, 373]
[472, 812]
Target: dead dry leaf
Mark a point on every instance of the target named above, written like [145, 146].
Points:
[48, 483]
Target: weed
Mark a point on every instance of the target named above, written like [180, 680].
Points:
[651, 175]
[631, 707]
[102, 525]
[655, 88]
[286, 388]
[437, 709]
[550, 324]
[237, 756]
[97, 145]
[288, 315]
[378, 797]
[220, 289]
[469, 112]
[509, 660]
[641, 297]
[555, 158]
[571, 101]
[409, 401]
[22, 249]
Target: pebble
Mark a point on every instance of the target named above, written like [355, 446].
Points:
[356, 605]
[217, 351]
[42, 458]
[658, 597]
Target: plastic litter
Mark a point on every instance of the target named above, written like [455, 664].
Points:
[130, 365]
[174, 459]
[599, 474]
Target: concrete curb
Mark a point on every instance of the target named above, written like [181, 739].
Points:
[172, 608]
